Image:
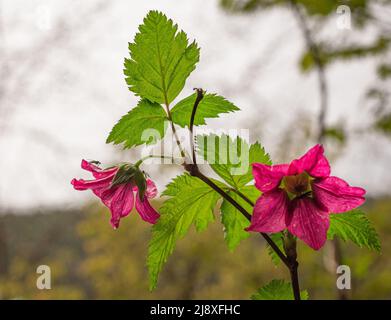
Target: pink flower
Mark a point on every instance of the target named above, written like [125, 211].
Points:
[118, 198]
[300, 196]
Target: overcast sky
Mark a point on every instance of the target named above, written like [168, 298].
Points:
[63, 89]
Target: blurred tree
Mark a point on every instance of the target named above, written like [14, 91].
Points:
[321, 49]
[31, 59]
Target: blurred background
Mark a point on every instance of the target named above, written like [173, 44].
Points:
[301, 71]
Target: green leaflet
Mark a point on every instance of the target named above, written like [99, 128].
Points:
[355, 226]
[231, 158]
[277, 290]
[191, 202]
[209, 107]
[161, 59]
[233, 220]
[145, 123]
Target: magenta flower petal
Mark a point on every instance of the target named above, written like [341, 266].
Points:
[268, 177]
[81, 184]
[120, 198]
[120, 201]
[151, 191]
[309, 222]
[270, 212]
[146, 211]
[96, 171]
[313, 162]
[336, 194]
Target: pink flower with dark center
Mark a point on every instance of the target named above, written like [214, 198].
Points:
[120, 198]
[300, 196]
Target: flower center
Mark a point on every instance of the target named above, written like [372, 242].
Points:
[297, 185]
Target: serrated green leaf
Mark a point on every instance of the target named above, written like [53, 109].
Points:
[191, 202]
[278, 239]
[133, 128]
[231, 158]
[234, 222]
[211, 106]
[257, 154]
[161, 59]
[355, 226]
[277, 290]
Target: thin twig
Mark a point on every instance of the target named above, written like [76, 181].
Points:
[313, 48]
[181, 150]
[240, 194]
[199, 97]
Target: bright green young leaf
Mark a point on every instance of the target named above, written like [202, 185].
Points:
[145, 123]
[233, 220]
[210, 107]
[191, 202]
[277, 290]
[161, 59]
[356, 227]
[231, 158]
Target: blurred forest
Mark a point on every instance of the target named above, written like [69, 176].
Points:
[90, 260]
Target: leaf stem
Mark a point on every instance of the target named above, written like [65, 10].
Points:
[200, 96]
[139, 162]
[181, 150]
[240, 194]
